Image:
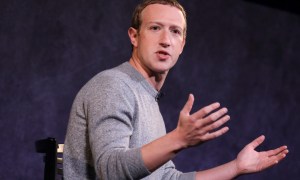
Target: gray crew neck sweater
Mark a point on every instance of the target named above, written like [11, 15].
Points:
[112, 117]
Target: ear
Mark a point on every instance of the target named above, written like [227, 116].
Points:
[132, 33]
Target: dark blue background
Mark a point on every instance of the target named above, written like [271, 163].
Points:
[244, 55]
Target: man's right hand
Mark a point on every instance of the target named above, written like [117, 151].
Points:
[201, 126]
[192, 129]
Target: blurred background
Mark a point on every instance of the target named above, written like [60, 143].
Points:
[242, 54]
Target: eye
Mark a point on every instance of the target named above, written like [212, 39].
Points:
[154, 28]
[176, 31]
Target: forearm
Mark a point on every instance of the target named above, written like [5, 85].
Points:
[192, 130]
[225, 171]
[161, 150]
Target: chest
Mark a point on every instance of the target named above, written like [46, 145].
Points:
[148, 123]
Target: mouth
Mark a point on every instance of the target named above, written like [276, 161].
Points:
[164, 53]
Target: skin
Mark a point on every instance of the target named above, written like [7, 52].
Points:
[156, 48]
[158, 43]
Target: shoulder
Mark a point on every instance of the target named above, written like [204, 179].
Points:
[110, 80]
[109, 84]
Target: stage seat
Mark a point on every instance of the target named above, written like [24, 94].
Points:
[53, 157]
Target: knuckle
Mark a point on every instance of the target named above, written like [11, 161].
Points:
[215, 135]
[210, 118]
[206, 110]
[214, 126]
[193, 119]
[201, 133]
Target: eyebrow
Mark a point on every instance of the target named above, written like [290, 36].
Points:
[162, 24]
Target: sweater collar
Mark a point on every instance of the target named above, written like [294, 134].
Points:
[137, 76]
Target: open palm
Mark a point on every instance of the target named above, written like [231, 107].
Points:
[249, 160]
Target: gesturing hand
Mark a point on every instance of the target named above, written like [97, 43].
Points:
[249, 160]
[202, 125]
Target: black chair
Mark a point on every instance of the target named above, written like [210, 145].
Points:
[53, 157]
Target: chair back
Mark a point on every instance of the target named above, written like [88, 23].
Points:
[53, 157]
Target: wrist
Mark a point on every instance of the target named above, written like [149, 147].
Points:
[236, 170]
[177, 140]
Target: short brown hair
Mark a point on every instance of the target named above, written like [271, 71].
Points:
[136, 17]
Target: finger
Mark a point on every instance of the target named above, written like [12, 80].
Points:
[268, 163]
[255, 143]
[216, 124]
[188, 105]
[282, 155]
[276, 159]
[216, 134]
[206, 110]
[276, 151]
[214, 116]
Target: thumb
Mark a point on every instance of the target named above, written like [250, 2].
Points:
[188, 105]
[258, 141]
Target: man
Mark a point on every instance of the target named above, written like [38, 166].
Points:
[116, 130]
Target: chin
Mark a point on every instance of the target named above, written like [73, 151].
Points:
[162, 67]
[161, 70]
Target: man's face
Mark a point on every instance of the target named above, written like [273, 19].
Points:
[160, 39]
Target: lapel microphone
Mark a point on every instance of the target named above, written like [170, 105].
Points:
[159, 96]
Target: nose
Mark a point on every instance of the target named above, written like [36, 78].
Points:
[165, 40]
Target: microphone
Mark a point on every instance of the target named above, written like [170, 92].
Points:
[159, 96]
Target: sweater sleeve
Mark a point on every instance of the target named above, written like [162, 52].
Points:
[171, 173]
[110, 110]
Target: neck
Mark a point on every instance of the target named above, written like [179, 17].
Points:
[155, 79]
